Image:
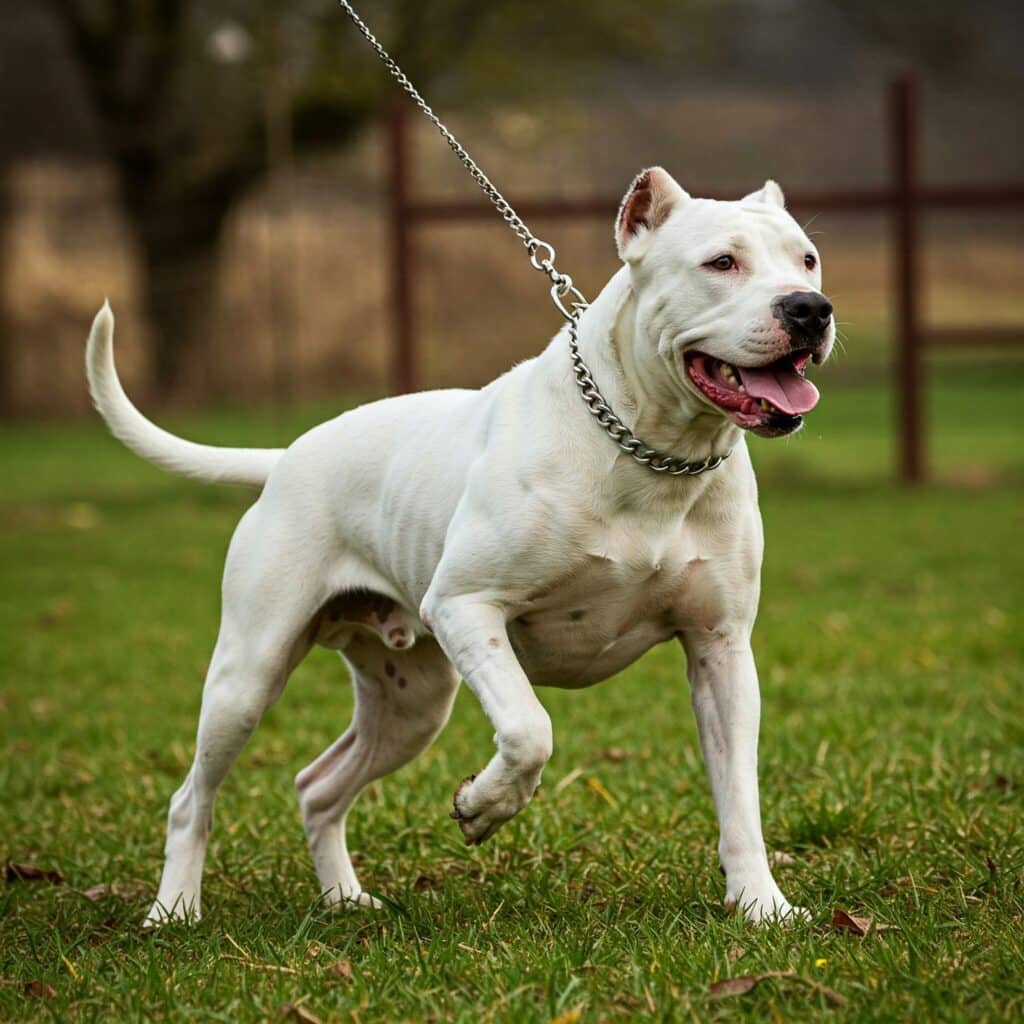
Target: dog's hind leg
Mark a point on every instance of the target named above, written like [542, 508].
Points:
[265, 631]
[402, 701]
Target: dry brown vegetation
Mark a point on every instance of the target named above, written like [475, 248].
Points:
[303, 307]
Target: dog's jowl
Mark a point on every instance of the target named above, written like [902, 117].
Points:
[500, 536]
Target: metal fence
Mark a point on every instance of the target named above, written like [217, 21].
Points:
[903, 199]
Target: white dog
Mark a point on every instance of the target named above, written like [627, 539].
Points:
[501, 537]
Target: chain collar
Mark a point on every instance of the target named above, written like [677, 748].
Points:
[660, 462]
[565, 295]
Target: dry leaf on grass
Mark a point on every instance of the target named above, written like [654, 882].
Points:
[291, 1011]
[844, 922]
[779, 858]
[739, 985]
[744, 983]
[342, 969]
[569, 1017]
[40, 989]
[30, 873]
[105, 889]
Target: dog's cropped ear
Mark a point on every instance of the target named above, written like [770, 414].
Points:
[653, 195]
[769, 193]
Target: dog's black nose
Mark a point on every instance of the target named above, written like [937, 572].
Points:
[804, 313]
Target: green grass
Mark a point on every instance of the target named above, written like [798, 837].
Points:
[892, 667]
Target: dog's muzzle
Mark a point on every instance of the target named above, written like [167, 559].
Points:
[805, 316]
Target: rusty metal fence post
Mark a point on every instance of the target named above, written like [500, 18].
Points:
[404, 363]
[906, 280]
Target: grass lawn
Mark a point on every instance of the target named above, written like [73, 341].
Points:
[892, 670]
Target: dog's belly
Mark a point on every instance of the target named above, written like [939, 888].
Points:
[603, 619]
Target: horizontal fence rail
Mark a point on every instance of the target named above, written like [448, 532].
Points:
[425, 211]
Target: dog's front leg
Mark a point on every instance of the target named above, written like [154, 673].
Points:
[727, 705]
[473, 634]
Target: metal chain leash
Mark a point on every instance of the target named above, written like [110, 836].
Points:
[621, 434]
[568, 299]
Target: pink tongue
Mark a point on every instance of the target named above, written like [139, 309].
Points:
[782, 386]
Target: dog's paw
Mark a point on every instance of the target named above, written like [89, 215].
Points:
[180, 910]
[770, 908]
[480, 811]
[466, 819]
[335, 898]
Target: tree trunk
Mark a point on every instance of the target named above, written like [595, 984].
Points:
[7, 396]
[179, 239]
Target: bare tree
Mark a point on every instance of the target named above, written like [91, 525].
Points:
[189, 95]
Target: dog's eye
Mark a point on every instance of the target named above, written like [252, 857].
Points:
[724, 262]
[810, 261]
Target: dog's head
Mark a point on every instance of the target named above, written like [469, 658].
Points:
[728, 299]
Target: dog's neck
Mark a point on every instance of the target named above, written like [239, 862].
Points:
[643, 391]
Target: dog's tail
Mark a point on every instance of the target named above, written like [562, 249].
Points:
[204, 462]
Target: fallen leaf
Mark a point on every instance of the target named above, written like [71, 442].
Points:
[739, 985]
[614, 754]
[40, 989]
[100, 891]
[342, 969]
[30, 873]
[292, 1011]
[569, 1017]
[780, 858]
[744, 983]
[844, 922]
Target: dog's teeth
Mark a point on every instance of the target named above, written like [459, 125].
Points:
[766, 405]
[743, 389]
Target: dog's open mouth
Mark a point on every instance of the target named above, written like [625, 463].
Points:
[769, 400]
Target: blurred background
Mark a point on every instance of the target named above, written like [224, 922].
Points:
[272, 235]
[225, 172]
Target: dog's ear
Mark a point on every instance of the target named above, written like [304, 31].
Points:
[769, 193]
[650, 199]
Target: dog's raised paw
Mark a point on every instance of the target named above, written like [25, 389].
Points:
[457, 812]
[459, 815]
[480, 818]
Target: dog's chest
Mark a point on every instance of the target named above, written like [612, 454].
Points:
[625, 595]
